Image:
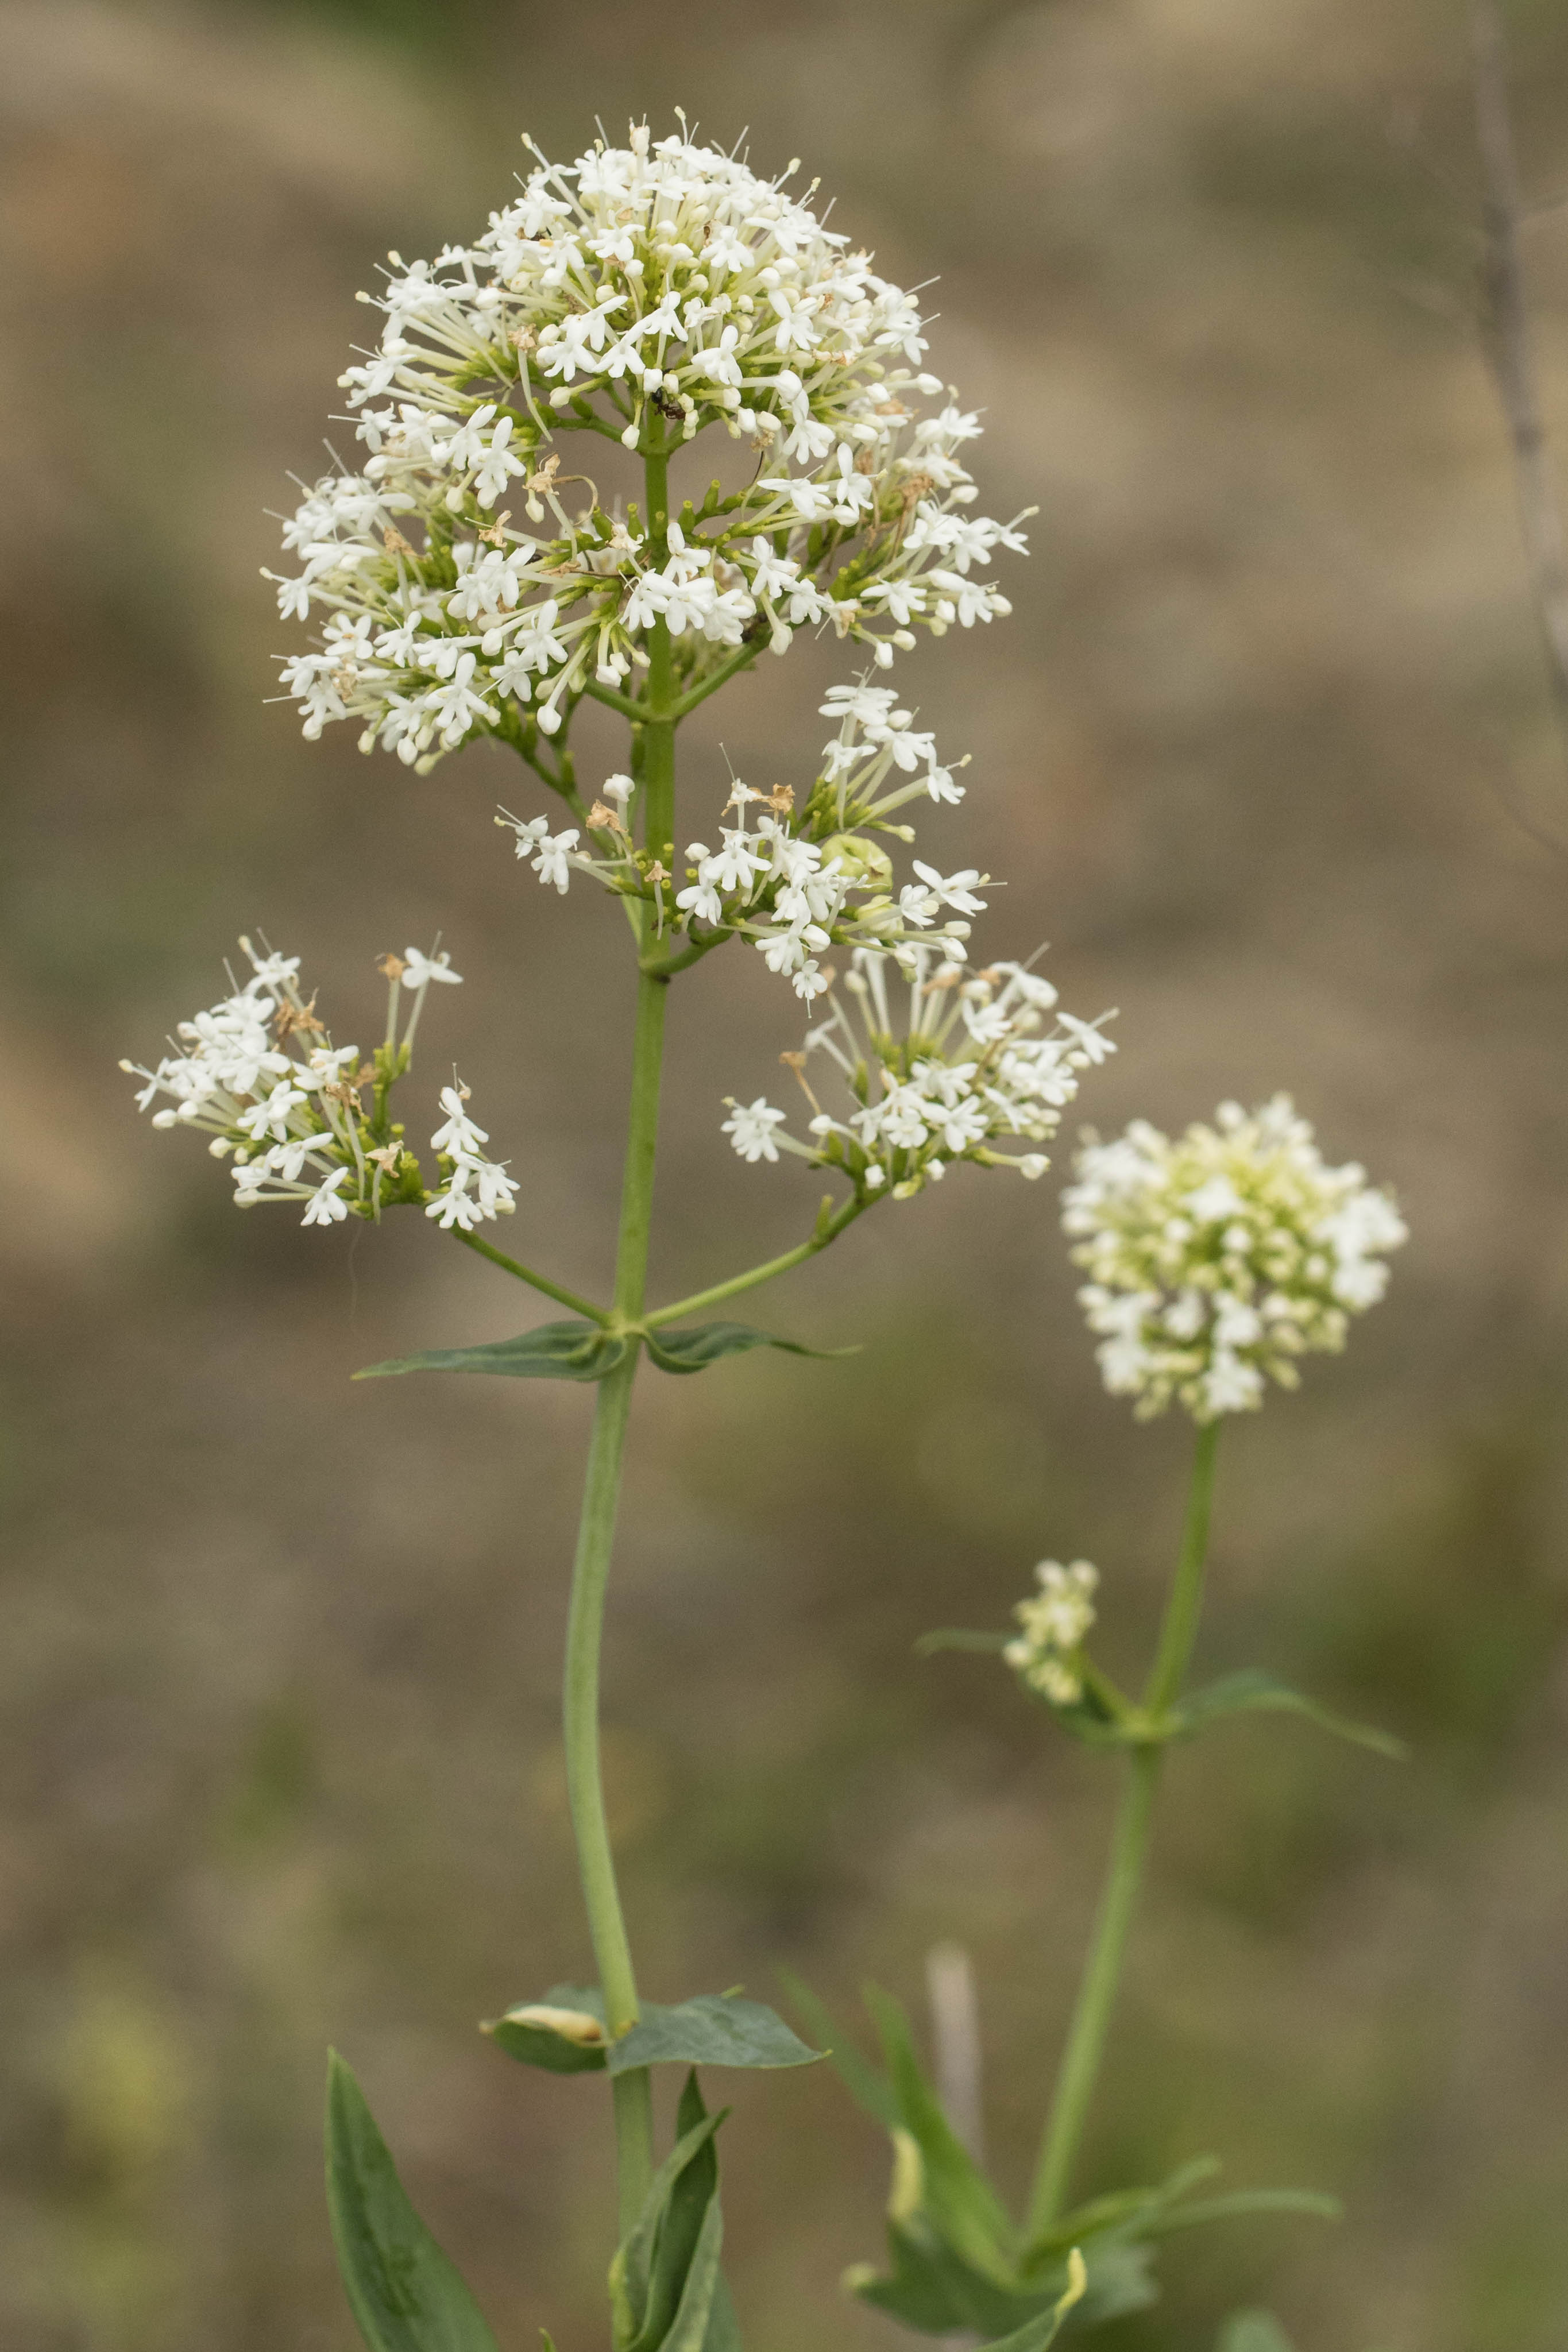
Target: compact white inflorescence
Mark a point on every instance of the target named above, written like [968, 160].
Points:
[259, 1074]
[939, 1064]
[1043, 1655]
[643, 293]
[1216, 1260]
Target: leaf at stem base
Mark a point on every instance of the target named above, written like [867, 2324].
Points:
[404, 2294]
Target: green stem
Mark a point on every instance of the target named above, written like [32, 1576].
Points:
[721, 676]
[1179, 1629]
[629, 709]
[1096, 1993]
[1085, 2046]
[667, 966]
[758, 1274]
[595, 1536]
[535, 1281]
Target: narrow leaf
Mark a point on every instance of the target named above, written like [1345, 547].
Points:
[1252, 1691]
[713, 2029]
[955, 2193]
[1125, 2211]
[701, 1344]
[723, 2328]
[551, 1351]
[1243, 2201]
[866, 2085]
[679, 2238]
[689, 2331]
[632, 2271]
[1253, 2331]
[404, 2294]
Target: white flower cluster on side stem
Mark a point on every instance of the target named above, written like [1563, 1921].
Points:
[664, 275]
[1054, 1622]
[259, 1074]
[1218, 1260]
[793, 882]
[939, 1064]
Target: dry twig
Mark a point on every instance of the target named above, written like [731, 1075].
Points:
[1509, 349]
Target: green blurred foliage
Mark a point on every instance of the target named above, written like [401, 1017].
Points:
[278, 1660]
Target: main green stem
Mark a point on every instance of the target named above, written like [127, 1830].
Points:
[596, 1529]
[1085, 2047]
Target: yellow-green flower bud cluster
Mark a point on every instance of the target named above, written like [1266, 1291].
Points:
[1218, 1260]
[1045, 1654]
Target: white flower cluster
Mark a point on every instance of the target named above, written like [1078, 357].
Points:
[1215, 1261]
[658, 288]
[259, 1074]
[970, 1069]
[1054, 1621]
[792, 883]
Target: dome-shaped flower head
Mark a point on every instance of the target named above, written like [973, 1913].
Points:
[1216, 1260]
[644, 293]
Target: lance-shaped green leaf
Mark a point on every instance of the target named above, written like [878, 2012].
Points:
[940, 2175]
[1242, 2204]
[1252, 1692]
[565, 2033]
[1124, 2213]
[551, 1351]
[664, 2277]
[404, 2294]
[1252, 2331]
[693, 1349]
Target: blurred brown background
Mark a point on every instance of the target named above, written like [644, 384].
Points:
[278, 1655]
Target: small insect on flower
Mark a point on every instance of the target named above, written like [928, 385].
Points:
[1216, 1260]
[1055, 1619]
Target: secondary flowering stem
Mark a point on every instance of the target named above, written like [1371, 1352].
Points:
[535, 1281]
[1085, 2046]
[595, 1537]
[759, 1274]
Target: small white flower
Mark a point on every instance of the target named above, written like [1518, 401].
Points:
[750, 1127]
[457, 1136]
[420, 970]
[324, 1206]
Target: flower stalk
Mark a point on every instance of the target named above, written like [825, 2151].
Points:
[1098, 1986]
[632, 2090]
